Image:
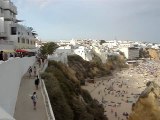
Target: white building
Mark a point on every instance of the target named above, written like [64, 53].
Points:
[84, 52]
[12, 34]
[62, 52]
[110, 44]
[130, 52]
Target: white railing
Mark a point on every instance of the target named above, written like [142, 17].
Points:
[47, 102]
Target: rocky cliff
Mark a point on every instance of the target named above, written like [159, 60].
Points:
[63, 82]
[154, 54]
[147, 107]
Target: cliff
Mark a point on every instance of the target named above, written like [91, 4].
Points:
[69, 101]
[154, 54]
[63, 82]
[147, 106]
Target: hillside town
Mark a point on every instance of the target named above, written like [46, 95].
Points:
[104, 49]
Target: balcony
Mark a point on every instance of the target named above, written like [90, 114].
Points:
[7, 5]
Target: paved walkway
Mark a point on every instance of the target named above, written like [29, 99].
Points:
[24, 106]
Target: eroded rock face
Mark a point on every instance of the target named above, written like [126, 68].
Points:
[148, 105]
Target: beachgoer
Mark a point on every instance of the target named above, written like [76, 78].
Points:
[34, 99]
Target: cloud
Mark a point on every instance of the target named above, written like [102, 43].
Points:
[40, 3]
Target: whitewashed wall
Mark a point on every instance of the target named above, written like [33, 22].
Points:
[11, 73]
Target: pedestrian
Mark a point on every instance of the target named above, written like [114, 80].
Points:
[1, 55]
[34, 70]
[115, 114]
[36, 82]
[34, 100]
[30, 71]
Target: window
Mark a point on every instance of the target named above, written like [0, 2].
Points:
[18, 40]
[23, 40]
[27, 41]
[1, 10]
[13, 30]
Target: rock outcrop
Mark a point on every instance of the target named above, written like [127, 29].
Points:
[147, 107]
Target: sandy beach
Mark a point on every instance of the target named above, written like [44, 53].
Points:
[118, 92]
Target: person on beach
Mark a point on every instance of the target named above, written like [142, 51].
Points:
[36, 82]
[34, 100]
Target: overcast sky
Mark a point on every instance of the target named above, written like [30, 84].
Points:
[137, 20]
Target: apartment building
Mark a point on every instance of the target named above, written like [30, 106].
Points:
[12, 34]
[110, 43]
[130, 53]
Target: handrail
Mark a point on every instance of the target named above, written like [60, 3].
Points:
[47, 102]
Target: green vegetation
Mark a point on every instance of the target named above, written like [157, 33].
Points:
[143, 53]
[69, 101]
[116, 62]
[48, 48]
[102, 41]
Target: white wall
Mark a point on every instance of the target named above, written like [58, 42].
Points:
[11, 73]
[100, 54]
[125, 51]
[1, 25]
[133, 53]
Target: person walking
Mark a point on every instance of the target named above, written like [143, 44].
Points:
[1, 56]
[35, 70]
[36, 82]
[30, 71]
[34, 100]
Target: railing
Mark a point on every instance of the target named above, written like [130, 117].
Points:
[48, 106]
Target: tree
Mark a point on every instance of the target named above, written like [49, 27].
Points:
[102, 41]
[48, 48]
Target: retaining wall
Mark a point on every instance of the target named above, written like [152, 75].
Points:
[11, 73]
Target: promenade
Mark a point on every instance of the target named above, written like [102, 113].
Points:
[24, 106]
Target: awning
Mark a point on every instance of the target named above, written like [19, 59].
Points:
[20, 50]
[31, 50]
[8, 51]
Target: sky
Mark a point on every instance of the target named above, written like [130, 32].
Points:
[137, 20]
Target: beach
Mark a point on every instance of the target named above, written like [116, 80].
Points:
[118, 92]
